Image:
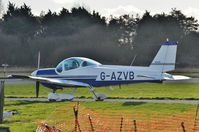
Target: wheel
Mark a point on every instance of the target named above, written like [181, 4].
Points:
[66, 99]
[100, 97]
[52, 100]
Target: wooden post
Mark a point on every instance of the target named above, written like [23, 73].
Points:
[76, 117]
[183, 128]
[135, 127]
[75, 112]
[91, 124]
[1, 102]
[196, 118]
[121, 124]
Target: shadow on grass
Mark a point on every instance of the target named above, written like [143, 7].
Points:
[17, 122]
[133, 103]
[26, 103]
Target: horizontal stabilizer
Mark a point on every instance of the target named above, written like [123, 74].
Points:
[176, 77]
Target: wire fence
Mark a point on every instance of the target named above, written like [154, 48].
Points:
[71, 118]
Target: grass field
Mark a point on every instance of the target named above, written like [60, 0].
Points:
[35, 112]
[31, 112]
[137, 91]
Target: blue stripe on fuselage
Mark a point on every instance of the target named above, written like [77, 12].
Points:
[95, 83]
[46, 72]
[170, 43]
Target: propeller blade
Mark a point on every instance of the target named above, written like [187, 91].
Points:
[37, 89]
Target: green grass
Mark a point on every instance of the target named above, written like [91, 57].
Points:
[192, 75]
[137, 91]
[31, 112]
[35, 112]
[25, 90]
[138, 106]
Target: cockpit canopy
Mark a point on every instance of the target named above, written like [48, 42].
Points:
[75, 62]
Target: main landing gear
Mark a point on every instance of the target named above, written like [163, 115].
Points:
[69, 96]
[97, 96]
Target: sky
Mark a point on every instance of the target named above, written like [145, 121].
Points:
[113, 7]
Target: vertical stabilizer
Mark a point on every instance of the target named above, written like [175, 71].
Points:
[166, 57]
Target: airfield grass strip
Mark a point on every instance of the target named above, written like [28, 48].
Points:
[33, 113]
[133, 91]
[110, 120]
[30, 113]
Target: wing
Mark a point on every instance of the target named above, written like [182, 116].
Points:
[62, 82]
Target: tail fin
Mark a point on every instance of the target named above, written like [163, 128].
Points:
[166, 57]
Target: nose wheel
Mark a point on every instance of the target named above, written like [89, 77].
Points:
[60, 97]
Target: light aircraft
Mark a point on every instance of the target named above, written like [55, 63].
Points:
[80, 72]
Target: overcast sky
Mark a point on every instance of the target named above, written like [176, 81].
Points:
[114, 7]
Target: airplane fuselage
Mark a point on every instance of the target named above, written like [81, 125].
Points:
[84, 72]
[104, 75]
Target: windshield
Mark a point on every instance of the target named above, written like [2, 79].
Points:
[59, 67]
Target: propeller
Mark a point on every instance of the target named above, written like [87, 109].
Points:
[37, 89]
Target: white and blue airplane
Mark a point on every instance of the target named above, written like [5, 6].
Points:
[83, 72]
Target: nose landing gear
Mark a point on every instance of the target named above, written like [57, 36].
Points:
[60, 97]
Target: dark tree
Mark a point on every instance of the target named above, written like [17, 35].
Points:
[187, 23]
[20, 21]
[79, 32]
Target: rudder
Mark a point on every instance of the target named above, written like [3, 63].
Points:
[166, 57]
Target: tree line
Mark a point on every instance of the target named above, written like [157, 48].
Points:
[79, 32]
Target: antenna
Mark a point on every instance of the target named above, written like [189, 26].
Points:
[133, 60]
[38, 62]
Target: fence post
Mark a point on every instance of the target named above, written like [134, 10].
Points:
[135, 127]
[90, 120]
[76, 117]
[182, 125]
[195, 118]
[121, 124]
[1, 102]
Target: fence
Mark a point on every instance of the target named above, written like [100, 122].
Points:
[79, 119]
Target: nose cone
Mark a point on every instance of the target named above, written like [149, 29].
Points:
[34, 73]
